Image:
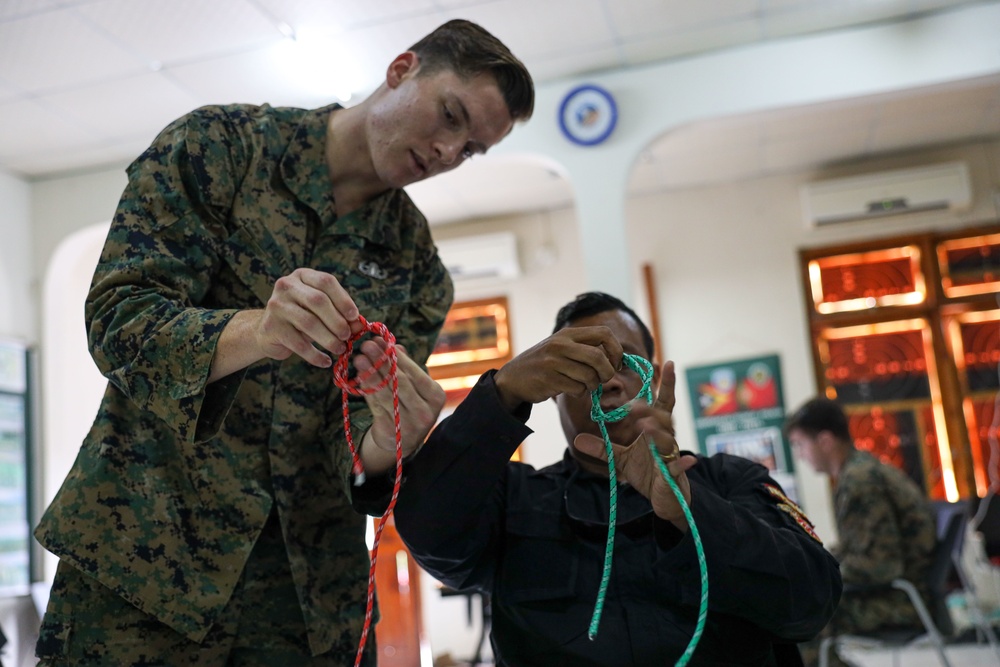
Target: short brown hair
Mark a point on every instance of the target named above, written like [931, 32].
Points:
[470, 50]
[818, 415]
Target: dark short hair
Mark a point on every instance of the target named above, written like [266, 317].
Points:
[470, 50]
[818, 415]
[593, 303]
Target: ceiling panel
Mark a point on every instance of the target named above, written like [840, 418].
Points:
[265, 75]
[12, 9]
[24, 121]
[693, 40]
[57, 49]
[556, 27]
[8, 92]
[572, 63]
[647, 17]
[343, 15]
[119, 154]
[184, 29]
[126, 108]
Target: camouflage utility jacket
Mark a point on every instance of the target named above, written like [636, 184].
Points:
[176, 477]
[885, 524]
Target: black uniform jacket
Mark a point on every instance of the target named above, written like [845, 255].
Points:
[535, 541]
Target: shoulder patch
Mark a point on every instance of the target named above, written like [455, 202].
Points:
[785, 504]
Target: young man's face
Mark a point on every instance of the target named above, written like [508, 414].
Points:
[429, 124]
[808, 449]
[574, 411]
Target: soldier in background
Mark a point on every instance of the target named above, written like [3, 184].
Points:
[886, 526]
[210, 517]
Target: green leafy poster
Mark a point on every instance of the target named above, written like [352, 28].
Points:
[739, 409]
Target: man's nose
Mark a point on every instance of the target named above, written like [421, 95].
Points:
[448, 150]
[617, 381]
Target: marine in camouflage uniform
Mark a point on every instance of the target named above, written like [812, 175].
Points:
[176, 480]
[885, 525]
[210, 517]
[887, 531]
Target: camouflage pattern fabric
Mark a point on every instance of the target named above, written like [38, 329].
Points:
[887, 531]
[89, 626]
[176, 478]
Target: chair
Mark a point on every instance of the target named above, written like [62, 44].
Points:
[934, 616]
[986, 520]
[976, 615]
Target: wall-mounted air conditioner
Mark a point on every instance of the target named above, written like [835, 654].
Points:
[480, 257]
[943, 186]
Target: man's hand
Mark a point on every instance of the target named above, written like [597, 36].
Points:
[571, 361]
[634, 463]
[305, 307]
[420, 403]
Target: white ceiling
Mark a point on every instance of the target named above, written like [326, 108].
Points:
[86, 84]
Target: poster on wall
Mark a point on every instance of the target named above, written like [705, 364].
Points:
[739, 409]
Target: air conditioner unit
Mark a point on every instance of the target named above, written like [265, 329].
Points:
[480, 257]
[943, 186]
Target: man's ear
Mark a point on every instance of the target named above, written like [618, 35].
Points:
[401, 68]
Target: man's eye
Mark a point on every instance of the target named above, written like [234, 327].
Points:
[467, 153]
[449, 116]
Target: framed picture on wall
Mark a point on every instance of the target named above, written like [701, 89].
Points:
[739, 409]
[474, 339]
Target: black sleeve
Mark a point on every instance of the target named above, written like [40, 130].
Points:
[451, 505]
[765, 563]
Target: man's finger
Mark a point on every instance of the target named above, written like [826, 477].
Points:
[591, 445]
[665, 398]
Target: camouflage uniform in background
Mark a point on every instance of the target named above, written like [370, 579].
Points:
[178, 479]
[887, 531]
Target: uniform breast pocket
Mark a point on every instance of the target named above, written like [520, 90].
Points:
[383, 303]
[541, 559]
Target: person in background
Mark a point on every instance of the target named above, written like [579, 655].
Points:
[885, 524]
[211, 515]
[534, 539]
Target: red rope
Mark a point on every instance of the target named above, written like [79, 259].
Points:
[340, 370]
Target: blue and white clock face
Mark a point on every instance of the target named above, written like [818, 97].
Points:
[588, 115]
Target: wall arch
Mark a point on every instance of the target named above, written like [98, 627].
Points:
[71, 386]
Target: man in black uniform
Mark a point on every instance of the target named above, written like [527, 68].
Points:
[534, 540]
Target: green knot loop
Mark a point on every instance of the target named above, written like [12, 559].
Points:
[645, 370]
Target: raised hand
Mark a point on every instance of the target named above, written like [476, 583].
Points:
[634, 462]
[571, 361]
[307, 307]
[420, 403]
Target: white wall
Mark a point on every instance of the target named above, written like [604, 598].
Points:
[18, 295]
[71, 384]
[64, 205]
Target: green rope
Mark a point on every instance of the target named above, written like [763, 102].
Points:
[702, 564]
[645, 370]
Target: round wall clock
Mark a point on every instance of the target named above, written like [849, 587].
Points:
[587, 115]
